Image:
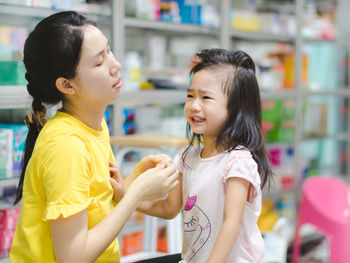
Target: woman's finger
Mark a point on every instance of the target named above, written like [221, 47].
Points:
[173, 184]
[174, 176]
[112, 164]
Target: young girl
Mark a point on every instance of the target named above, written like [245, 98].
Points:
[69, 212]
[225, 166]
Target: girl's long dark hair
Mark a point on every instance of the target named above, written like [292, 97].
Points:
[243, 124]
[52, 50]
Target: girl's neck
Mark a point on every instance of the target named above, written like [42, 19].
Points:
[209, 147]
[92, 117]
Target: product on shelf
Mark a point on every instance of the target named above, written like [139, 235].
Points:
[278, 120]
[8, 222]
[19, 137]
[6, 160]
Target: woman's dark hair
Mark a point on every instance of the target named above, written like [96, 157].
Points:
[243, 124]
[52, 50]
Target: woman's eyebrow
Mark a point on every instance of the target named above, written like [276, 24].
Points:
[101, 52]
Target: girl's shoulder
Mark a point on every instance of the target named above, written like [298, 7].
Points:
[240, 163]
[240, 152]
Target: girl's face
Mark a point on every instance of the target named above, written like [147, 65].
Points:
[206, 104]
[98, 79]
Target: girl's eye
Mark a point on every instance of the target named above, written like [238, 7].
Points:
[206, 98]
[189, 96]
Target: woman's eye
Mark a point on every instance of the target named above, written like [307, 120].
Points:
[206, 98]
[189, 96]
[99, 64]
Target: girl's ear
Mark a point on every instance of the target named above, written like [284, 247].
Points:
[64, 86]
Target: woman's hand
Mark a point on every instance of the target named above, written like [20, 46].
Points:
[116, 181]
[155, 182]
[150, 161]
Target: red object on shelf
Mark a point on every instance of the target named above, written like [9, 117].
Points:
[132, 243]
[287, 182]
[162, 244]
[9, 218]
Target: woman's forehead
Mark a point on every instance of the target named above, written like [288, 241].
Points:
[94, 41]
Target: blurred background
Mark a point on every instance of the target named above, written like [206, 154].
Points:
[301, 49]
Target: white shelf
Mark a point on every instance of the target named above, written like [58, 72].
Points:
[278, 94]
[133, 227]
[170, 27]
[41, 12]
[152, 97]
[260, 36]
[338, 137]
[14, 97]
[313, 39]
[8, 182]
[140, 256]
[345, 92]
[179, 96]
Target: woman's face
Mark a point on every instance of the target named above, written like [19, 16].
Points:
[98, 79]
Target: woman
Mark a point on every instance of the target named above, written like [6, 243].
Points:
[69, 211]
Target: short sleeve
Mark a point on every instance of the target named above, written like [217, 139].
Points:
[66, 177]
[178, 163]
[242, 165]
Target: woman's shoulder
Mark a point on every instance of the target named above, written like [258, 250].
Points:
[59, 134]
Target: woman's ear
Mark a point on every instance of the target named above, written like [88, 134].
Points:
[64, 86]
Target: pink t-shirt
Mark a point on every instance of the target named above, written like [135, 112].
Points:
[203, 187]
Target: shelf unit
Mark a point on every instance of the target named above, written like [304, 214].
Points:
[17, 97]
[14, 97]
[170, 27]
[41, 12]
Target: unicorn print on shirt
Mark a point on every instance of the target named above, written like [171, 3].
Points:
[195, 220]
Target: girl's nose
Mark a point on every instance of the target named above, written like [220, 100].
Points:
[195, 106]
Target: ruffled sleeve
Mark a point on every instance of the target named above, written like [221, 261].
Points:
[66, 178]
[242, 165]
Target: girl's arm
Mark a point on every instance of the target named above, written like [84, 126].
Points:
[74, 242]
[165, 208]
[236, 198]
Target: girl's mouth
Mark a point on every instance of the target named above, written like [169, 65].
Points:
[197, 119]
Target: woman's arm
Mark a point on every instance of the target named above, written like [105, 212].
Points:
[165, 208]
[236, 198]
[72, 240]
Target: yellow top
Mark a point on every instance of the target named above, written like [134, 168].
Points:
[67, 173]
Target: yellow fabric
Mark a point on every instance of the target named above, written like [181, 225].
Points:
[67, 173]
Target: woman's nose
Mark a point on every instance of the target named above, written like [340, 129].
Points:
[116, 66]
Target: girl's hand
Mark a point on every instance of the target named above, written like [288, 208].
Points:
[151, 161]
[155, 182]
[116, 181]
